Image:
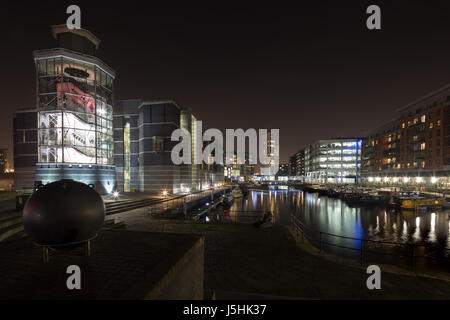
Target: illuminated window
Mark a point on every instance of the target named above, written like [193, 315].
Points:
[126, 156]
[431, 125]
[422, 146]
[75, 112]
[422, 119]
[403, 125]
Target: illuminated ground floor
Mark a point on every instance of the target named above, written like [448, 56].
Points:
[417, 179]
[101, 177]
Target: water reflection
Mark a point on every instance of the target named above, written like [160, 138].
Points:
[336, 217]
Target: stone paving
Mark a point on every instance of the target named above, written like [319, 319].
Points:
[120, 260]
[244, 262]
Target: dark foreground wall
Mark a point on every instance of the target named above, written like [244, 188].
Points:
[123, 265]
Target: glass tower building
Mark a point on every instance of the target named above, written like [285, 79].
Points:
[333, 161]
[74, 105]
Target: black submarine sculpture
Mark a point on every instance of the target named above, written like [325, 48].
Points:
[63, 214]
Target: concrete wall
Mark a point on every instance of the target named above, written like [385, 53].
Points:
[185, 280]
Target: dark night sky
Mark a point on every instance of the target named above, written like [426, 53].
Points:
[313, 71]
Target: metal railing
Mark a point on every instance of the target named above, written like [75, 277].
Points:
[375, 251]
[175, 202]
[234, 217]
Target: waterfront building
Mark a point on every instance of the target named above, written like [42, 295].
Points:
[25, 150]
[3, 160]
[292, 166]
[413, 149]
[297, 165]
[335, 160]
[142, 149]
[239, 172]
[283, 170]
[68, 135]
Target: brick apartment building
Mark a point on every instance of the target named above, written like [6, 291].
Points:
[414, 149]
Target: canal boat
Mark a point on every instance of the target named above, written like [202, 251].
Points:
[422, 203]
[365, 197]
[237, 193]
[317, 188]
[406, 202]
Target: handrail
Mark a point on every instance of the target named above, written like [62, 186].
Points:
[361, 239]
[306, 232]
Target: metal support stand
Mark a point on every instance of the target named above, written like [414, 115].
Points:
[45, 254]
[46, 249]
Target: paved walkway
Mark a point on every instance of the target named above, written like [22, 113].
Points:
[122, 265]
[247, 261]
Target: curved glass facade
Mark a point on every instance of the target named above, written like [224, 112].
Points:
[75, 112]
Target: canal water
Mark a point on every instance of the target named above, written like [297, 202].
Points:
[334, 217]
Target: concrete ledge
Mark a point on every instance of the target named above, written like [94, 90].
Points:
[123, 265]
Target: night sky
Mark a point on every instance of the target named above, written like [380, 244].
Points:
[313, 71]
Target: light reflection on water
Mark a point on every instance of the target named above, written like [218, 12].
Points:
[336, 217]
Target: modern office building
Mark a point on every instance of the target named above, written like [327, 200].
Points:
[3, 160]
[74, 111]
[414, 149]
[240, 172]
[25, 139]
[142, 149]
[335, 160]
[268, 171]
[297, 165]
[69, 134]
[283, 170]
[292, 166]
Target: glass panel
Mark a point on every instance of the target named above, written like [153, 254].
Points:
[41, 67]
[51, 66]
[48, 102]
[86, 123]
[48, 85]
